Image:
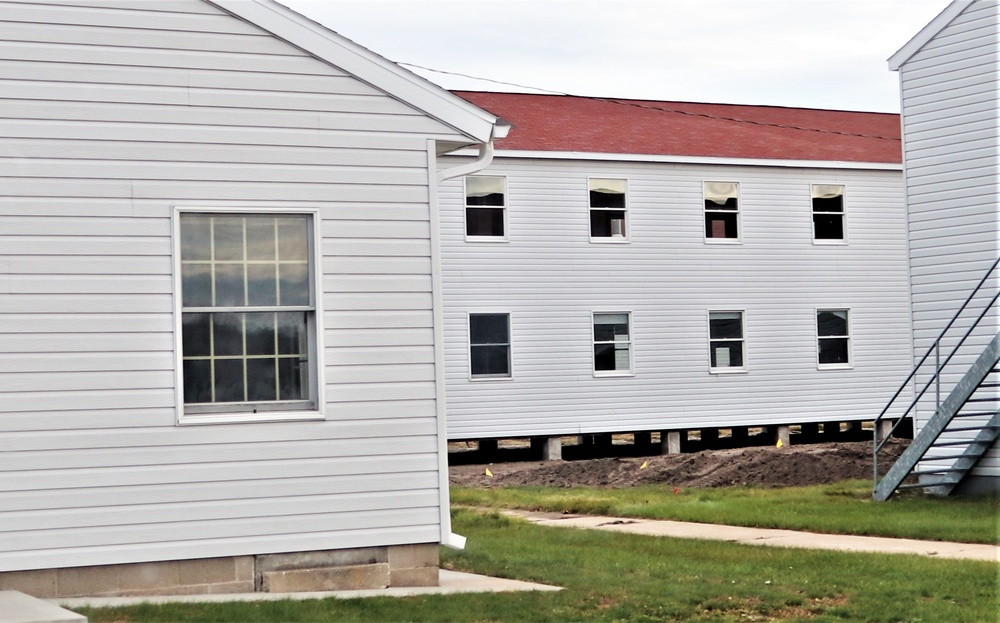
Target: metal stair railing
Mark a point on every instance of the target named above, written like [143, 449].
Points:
[935, 377]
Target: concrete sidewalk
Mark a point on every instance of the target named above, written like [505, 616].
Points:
[451, 582]
[763, 536]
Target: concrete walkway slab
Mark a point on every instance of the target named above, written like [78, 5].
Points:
[764, 536]
[16, 607]
[451, 582]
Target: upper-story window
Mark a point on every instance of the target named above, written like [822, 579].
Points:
[608, 210]
[248, 327]
[722, 211]
[828, 213]
[486, 207]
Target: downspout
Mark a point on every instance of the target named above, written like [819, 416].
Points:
[481, 162]
[448, 538]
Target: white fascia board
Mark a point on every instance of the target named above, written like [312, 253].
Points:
[750, 162]
[364, 64]
[927, 33]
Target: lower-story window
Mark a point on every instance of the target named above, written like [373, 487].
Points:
[612, 343]
[247, 313]
[489, 345]
[833, 334]
[726, 352]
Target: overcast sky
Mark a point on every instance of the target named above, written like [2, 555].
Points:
[812, 53]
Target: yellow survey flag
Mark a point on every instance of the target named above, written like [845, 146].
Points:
[779, 444]
[644, 465]
[489, 473]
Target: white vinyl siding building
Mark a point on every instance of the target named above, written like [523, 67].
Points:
[949, 77]
[121, 125]
[670, 279]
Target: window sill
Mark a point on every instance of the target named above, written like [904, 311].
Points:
[723, 241]
[827, 243]
[610, 240]
[724, 371]
[614, 374]
[487, 379]
[487, 239]
[196, 419]
[834, 366]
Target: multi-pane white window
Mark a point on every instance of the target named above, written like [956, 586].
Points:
[612, 343]
[722, 211]
[608, 209]
[247, 312]
[833, 334]
[489, 345]
[726, 349]
[485, 207]
[828, 213]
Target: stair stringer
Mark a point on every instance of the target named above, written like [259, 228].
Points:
[972, 379]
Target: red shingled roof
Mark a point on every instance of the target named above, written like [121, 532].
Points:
[582, 124]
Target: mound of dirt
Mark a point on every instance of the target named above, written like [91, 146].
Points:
[789, 466]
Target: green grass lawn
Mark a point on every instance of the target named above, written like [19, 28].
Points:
[621, 577]
[844, 508]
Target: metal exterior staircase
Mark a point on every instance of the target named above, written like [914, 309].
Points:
[964, 425]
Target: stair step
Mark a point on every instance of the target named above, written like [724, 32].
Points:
[950, 457]
[926, 485]
[959, 429]
[974, 414]
[943, 470]
[964, 442]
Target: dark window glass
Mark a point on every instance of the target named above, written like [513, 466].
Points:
[834, 337]
[833, 350]
[725, 331]
[607, 208]
[721, 209]
[489, 344]
[721, 225]
[607, 224]
[196, 335]
[485, 205]
[227, 263]
[197, 381]
[612, 343]
[484, 221]
[230, 384]
[828, 211]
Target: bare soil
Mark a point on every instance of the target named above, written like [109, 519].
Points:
[788, 466]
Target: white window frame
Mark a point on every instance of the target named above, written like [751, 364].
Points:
[627, 236]
[742, 340]
[738, 212]
[465, 212]
[478, 378]
[631, 345]
[249, 412]
[843, 215]
[849, 364]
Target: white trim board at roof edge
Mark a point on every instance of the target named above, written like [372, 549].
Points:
[927, 33]
[751, 162]
[365, 65]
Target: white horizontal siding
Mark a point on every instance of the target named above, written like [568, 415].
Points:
[951, 109]
[111, 115]
[550, 278]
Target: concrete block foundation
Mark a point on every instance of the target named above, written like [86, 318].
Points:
[351, 569]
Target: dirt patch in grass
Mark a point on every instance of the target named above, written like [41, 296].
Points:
[789, 466]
